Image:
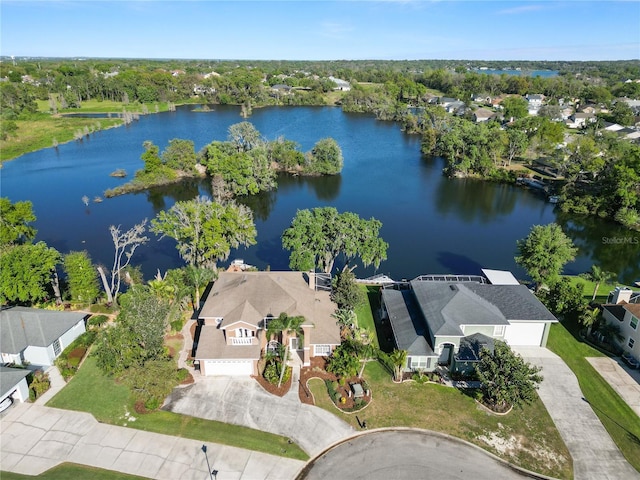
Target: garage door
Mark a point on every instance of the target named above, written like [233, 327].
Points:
[524, 334]
[228, 367]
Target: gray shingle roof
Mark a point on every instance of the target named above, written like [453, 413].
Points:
[10, 377]
[515, 302]
[471, 346]
[406, 322]
[22, 327]
[446, 306]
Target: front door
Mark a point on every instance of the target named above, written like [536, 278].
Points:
[445, 356]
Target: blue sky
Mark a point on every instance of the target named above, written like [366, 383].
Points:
[318, 30]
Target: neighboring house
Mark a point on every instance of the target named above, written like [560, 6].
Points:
[282, 88]
[483, 115]
[482, 99]
[535, 102]
[580, 119]
[623, 309]
[35, 336]
[342, 85]
[447, 320]
[236, 313]
[13, 384]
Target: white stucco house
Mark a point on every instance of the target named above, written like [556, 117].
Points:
[13, 384]
[623, 309]
[35, 336]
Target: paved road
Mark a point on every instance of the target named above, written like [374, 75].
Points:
[408, 454]
[595, 456]
[242, 401]
[36, 438]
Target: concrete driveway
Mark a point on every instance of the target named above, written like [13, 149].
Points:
[622, 379]
[408, 454]
[595, 456]
[242, 401]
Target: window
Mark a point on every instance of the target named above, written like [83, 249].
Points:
[631, 342]
[417, 362]
[321, 350]
[56, 348]
[498, 331]
[634, 322]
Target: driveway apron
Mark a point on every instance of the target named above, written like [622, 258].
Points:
[595, 456]
[242, 401]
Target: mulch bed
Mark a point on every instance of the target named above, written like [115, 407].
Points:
[317, 370]
[273, 389]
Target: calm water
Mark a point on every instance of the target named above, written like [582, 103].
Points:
[529, 73]
[433, 224]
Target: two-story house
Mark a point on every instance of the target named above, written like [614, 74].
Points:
[623, 309]
[448, 319]
[236, 312]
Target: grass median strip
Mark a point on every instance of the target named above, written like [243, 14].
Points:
[93, 392]
[621, 422]
[72, 471]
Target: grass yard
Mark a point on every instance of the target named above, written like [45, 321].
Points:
[91, 391]
[621, 422]
[525, 437]
[72, 471]
[40, 131]
[365, 311]
[589, 287]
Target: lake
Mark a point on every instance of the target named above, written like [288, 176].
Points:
[527, 73]
[432, 224]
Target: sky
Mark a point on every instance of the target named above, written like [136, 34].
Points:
[323, 30]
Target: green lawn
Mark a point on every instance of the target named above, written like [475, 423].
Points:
[617, 417]
[91, 391]
[536, 444]
[364, 312]
[589, 287]
[72, 471]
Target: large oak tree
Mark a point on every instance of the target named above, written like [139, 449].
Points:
[318, 236]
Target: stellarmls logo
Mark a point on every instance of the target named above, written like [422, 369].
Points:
[620, 240]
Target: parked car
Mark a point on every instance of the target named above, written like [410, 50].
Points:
[6, 403]
[630, 360]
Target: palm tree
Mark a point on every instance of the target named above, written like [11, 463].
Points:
[610, 331]
[284, 326]
[597, 275]
[367, 351]
[398, 359]
[589, 317]
[347, 320]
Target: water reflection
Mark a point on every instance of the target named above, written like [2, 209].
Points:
[177, 192]
[611, 246]
[472, 199]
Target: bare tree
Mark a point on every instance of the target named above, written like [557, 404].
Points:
[125, 245]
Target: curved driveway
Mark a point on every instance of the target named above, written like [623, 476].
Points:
[242, 401]
[595, 456]
[407, 454]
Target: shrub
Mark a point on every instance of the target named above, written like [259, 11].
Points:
[98, 320]
[272, 373]
[101, 308]
[182, 374]
[38, 384]
[176, 325]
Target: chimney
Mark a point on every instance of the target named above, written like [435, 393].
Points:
[312, 280]
[621, 294]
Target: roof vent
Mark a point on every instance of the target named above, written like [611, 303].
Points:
[453, 288]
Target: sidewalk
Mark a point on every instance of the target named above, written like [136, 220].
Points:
[36, 438]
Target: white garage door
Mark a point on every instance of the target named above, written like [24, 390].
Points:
[524, 334]
[228, 367]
